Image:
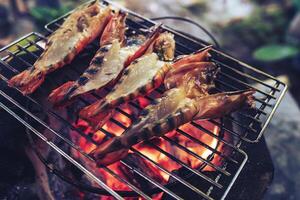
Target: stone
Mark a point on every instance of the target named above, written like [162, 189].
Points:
[283, 139]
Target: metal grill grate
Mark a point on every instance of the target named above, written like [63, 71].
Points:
[242, 126]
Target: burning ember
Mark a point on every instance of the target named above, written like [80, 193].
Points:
[172, 144]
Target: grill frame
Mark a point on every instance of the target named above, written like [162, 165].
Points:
[39, 134]
[117, 195]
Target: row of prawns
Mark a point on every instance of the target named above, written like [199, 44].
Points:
[134, 66]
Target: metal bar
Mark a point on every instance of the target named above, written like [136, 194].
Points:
[239, 135]
[206, 178]
[211, 134]
[174, 158]
[236, 175]
[20, 59]
[181, 147]
[269, 118]
[247, 85]
[246, 75]
[226, 84]
[197, 156]
[193, 188]
[28, 52]
[163, 169]
[8, 66]
[207, 146]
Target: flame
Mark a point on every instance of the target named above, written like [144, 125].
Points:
[152, 153]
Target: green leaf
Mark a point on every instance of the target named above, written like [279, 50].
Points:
[275, 52]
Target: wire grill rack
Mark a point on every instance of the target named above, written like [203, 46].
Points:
[243, 126]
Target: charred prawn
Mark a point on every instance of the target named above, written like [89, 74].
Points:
[79, 29]
[187, 98]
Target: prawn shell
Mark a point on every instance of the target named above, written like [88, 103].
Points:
[78, 30]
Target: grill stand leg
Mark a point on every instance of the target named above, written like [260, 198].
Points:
[257, 175]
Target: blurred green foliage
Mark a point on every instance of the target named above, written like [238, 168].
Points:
[265, 25]
[297, 4]
[43, 15]
[265, 31]
[275, 52]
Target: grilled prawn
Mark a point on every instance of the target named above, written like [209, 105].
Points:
[139, 78]
[187, 100]
[109, 61]
[135, 82]
[111, 41]
[79, 29]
